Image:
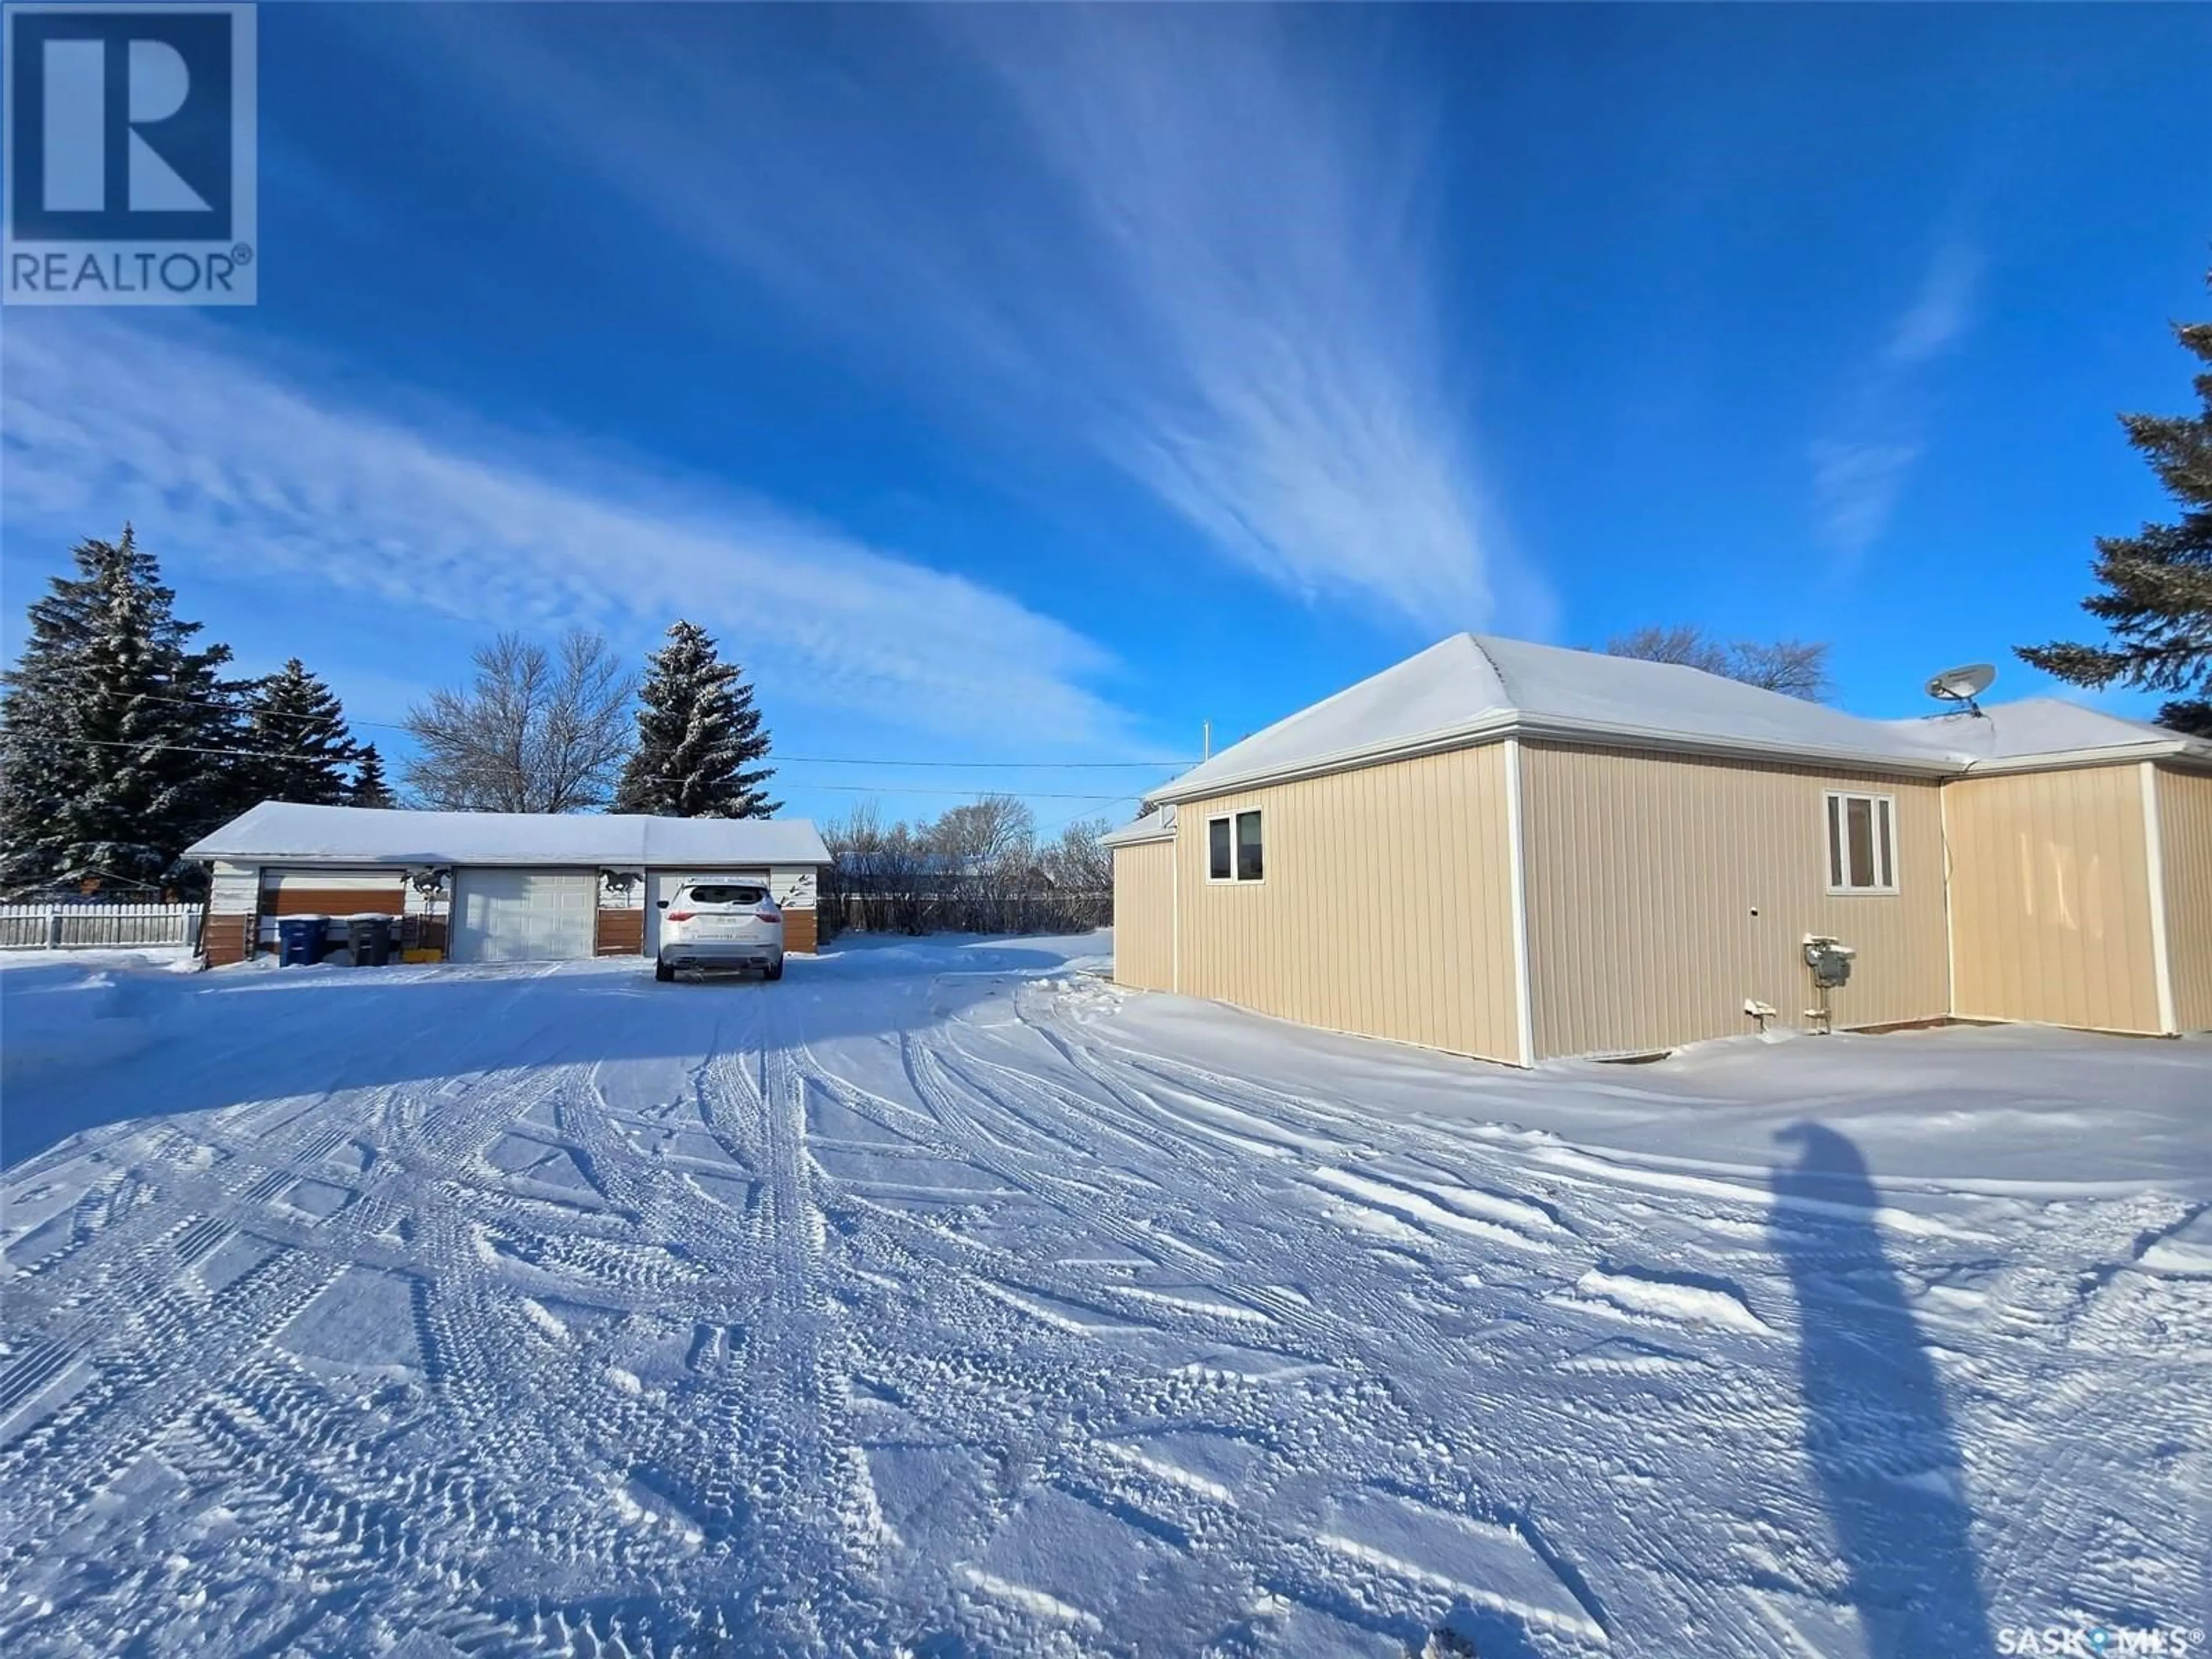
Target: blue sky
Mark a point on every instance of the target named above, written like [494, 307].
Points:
[1036, 384]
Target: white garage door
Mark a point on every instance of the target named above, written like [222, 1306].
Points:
[524, 915]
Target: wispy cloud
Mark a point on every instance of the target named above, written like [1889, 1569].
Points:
[1861, 467]
[241, 464]
[1942, 310]
[1192, 241]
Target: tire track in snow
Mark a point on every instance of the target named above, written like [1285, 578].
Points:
[798, 1460]
[860, 1352]
[1259, 1179]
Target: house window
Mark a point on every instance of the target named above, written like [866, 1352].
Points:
[1861, 843]
[1233, 849]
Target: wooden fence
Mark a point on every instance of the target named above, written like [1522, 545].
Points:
[95, 926]
[867, 909]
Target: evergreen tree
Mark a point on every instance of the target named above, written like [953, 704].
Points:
[696, 729]
[369, 788]
[297, 746]
[116, 754]
[2156, 597]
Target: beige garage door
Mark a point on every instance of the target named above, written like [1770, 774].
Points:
[524, 915]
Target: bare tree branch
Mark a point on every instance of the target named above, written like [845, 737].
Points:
[530, 733]
[1796, 668]
[1686, 645]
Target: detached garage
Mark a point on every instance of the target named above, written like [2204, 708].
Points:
[491, 886]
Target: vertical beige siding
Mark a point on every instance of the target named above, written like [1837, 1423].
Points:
[2185, 824]
[2051, 898]
[1387, 908]
[1144, 916]
[1664, 890]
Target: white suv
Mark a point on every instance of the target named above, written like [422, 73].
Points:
[720, 924]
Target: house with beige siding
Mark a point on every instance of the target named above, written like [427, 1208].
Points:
[1519, 852]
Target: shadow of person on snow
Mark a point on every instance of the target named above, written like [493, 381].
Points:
[1876, 1432]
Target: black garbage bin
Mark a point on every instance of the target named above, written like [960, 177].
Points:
[370, 939]
[300, 940]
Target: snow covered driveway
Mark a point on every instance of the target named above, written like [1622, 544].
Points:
[941, 1300]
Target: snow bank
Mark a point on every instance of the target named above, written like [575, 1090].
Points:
[2019, 1110]
[80, 1015]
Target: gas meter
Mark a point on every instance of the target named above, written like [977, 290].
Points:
[1829, 959]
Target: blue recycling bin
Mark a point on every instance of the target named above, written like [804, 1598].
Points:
[300, 940]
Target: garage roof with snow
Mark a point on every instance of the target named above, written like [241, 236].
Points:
[1158, 824]
[1474, 687]
[282, 832]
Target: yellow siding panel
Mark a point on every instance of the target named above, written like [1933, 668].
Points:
[1386, 909]
[2051, 898]
[2184, 823]
[1144, 912]
[1664, 890]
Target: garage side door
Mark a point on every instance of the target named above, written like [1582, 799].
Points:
[524, 915]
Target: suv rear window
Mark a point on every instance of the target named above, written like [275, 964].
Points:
[725, 895]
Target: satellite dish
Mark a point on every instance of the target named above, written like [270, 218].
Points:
[1962, 685]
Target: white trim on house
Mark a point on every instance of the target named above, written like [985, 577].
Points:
[2154, 858]
[1517, 863]
[1158, 824]
[1835, 843]
[2067, 760]
[1175, 906]
[1509, 724]
[1950, 910]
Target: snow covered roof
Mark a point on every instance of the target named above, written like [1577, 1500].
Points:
[1470, 686]
[281, 832]
[1158, 824]
[2046, 728]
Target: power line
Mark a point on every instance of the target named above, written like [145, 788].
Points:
[1024, 794]
[169, 748]
[272, 754]
[223, 707]
[987, 766]
[772, 757]
[1051, 828]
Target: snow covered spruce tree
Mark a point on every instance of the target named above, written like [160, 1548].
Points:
[369, 788]
[2156, 597]
[296, 745]
[696, 731]
[117, 753]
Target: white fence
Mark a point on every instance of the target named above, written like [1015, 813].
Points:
[91, 926]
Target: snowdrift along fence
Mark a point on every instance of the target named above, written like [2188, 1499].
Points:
[93, 926]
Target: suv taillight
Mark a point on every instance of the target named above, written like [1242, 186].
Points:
[681, 915]
[769, 913]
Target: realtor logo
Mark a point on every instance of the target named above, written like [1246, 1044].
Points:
[129, 139]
